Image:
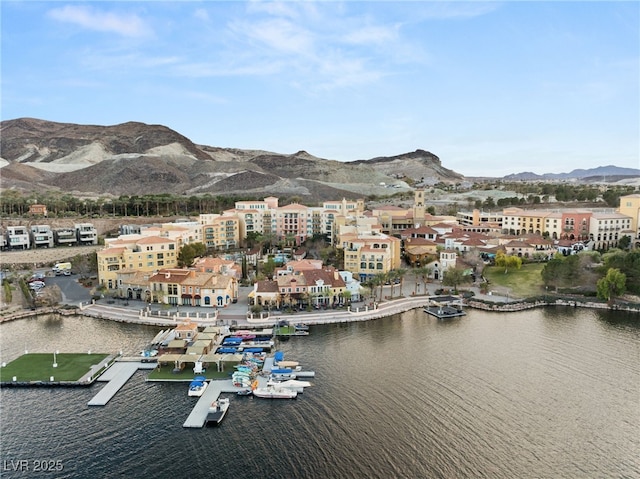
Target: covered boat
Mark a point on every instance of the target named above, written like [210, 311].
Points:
[197, 386]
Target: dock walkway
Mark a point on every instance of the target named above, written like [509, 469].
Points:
[198, 415]
[117, 376]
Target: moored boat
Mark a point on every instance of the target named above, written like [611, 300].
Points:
[292, 384]
[217, 411]
[271, 392]
[197, 386]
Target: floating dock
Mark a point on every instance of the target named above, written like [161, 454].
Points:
[117, 376]
[198, 416]
[444, 312]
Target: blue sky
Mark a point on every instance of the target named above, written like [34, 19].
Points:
[490, 88]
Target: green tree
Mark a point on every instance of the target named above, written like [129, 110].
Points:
[186, 256]
[454, 277]
[612, 285]
[508, 261]
[269, 267]
[624, 242]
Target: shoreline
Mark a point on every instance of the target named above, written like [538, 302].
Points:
[381, 310]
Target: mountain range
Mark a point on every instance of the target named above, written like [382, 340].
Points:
[136, 158]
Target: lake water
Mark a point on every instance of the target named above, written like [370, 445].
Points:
[549, 393]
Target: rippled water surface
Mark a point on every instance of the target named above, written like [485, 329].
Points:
[538, 394]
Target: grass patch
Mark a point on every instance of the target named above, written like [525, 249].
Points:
[39, 366]
[165, 372]
[522, 283]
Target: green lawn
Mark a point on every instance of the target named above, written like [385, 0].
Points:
[521, 283]
[39, 366]
[165, 372]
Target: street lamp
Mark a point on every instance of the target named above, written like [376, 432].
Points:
[55, 362]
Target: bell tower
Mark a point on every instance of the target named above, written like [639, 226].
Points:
[418, 207]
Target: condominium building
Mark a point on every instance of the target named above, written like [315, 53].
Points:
[606, 229]
[220, 231]
[367, 253]
[135, 253]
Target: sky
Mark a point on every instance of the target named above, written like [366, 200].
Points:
[490, 88]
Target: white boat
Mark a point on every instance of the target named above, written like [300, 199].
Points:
[293, 384]
[271, 392]
[197, 386]
[217, 411]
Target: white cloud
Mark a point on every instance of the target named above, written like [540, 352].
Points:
[127, 25]
[201, 14]
[372, 35]
[278, 34]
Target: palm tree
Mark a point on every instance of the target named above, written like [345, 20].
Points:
[400, 275]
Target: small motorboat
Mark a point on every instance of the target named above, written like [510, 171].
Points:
[197, 386]
[271, 392]
[217, 411]
[245, 392]
[292, 384]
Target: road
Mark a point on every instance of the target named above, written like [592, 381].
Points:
[72, 291]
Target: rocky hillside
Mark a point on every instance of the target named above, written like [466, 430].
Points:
[134, 158]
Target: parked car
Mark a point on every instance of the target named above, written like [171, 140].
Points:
[35, 285]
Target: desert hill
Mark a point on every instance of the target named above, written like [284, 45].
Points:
[134, 158]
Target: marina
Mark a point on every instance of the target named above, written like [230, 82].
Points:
[346, 414]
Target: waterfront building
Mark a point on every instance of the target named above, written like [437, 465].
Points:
[189, 287]
[134, 253]
[369, 253]
[352, 285]
[132, 284]
[266, 293]
[447, 260]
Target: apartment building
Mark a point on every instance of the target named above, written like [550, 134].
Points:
[135, 253]
[367, 253]
[606, 229]
[480, 221]
[220, 231]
